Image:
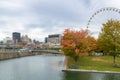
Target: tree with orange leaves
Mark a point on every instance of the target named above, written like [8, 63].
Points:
[76, 43]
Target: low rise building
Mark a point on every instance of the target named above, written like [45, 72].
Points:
[54, 40]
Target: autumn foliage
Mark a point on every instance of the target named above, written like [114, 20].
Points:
[76, 43]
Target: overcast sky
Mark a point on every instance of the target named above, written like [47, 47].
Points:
[39, 18]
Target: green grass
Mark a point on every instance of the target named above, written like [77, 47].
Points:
[100, 63]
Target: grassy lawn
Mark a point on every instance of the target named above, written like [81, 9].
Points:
[100, 63]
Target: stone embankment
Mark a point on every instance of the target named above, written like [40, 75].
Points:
[9, 54]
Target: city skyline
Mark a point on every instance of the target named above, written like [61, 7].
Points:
[39, 18]
[21, 35]
[18, 35]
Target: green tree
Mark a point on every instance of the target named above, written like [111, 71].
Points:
[109, 38]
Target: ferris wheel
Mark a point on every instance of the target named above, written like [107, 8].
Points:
[101, 16]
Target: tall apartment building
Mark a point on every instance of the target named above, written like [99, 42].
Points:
[25, 39]
[16, 37]
[46, 39]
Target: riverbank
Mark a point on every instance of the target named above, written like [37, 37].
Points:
[90, 71]
[93, 64]
[10, 54]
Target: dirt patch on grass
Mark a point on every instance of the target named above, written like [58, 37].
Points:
[99, 59]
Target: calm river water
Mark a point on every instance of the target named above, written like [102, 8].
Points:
[44, 68]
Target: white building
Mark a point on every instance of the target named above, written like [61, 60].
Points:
[7, 40]
[26, 39]
[54, 40]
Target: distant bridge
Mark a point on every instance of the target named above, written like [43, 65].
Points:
[21, 51]
[48, 51]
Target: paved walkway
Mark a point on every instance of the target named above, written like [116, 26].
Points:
[90, 71]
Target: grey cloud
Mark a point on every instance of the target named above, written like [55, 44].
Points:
[50, 16]
[56, 10]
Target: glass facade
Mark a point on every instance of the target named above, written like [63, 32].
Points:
[16, 37]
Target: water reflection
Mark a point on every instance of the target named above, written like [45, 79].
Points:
[90, 76]
[112, 77]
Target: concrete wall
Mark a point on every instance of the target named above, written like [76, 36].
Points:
[11, 54]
